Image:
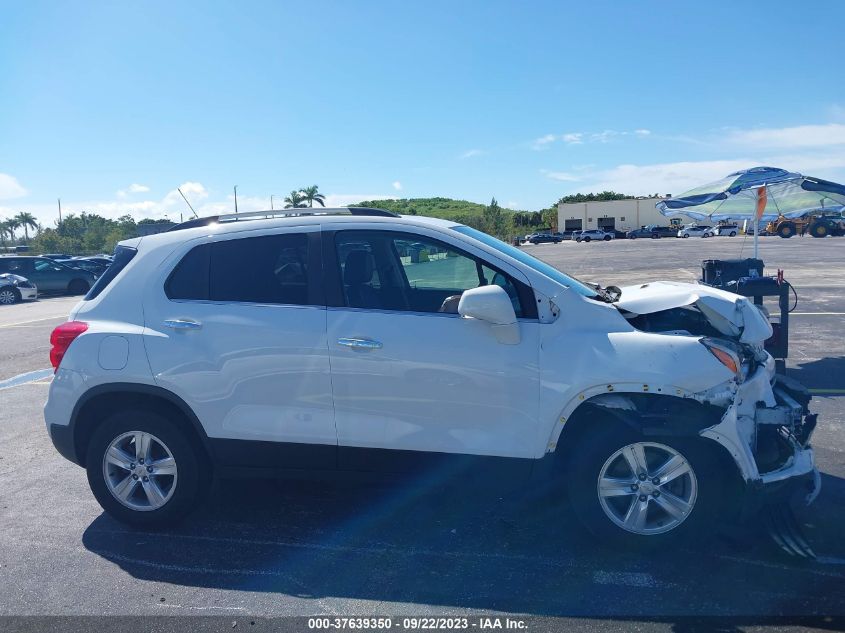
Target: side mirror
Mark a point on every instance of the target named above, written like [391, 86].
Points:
[492, 305]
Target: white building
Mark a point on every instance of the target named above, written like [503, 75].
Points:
[622, 215]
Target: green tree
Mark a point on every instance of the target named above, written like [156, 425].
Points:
[494, 219]
[312, 195]
[295, 200]
[26, 221]
[4, 231]
[12, 225]
[592, 197]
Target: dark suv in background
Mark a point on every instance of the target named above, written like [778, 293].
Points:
[544, 238]
[48, 275]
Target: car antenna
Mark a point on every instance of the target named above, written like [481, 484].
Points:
[186, 202]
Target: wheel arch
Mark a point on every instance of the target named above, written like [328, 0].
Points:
[650, 415]
[99, 402]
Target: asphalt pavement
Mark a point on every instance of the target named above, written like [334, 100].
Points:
[429, 547]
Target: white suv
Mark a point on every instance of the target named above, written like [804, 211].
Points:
[594, 235]
[357, 340]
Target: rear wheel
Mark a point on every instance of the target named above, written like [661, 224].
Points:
[655, 236]
[732, 234]
[9, 295]
[587, 239]
[642, 492]
[143, 470]
[685, 235]
[606, 238]
[77, 287]
[632, 236]
[819, 229]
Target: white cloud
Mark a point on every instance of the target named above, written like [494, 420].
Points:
[563, 176]
[579, 138]
[133, 188]
[800, 136]
[397, 185]
[678, 177]
[543, 142]
[472, 153]
[10, 188]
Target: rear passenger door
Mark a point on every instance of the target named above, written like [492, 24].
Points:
[238, 331]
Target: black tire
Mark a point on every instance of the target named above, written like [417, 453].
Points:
[685, 235]
[632, 237]
[655, 236]
[606, 238]
[9, 295]
[819, 229]
[586, 239]
[732, 234]
[188, 484]
[77, 287]
[587, 461]
[786, 230]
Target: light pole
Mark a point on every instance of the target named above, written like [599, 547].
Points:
[236, 199]
[271, 201]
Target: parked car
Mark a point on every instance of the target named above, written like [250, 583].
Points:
[575, 234]
[594, 235]
[730, 230]
[544, 238]
[696, 231]
[618, 235]
[653, 231]
[257, 348]
[87, 263]
[47, 274]
[14, 288]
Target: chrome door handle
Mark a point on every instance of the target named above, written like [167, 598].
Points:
[182, 324]
[359, 343]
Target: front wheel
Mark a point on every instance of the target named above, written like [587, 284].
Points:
[732, 234]
[9, 295]
[586, 239]
[636, 491]
[606, 238]
[685, 235]
[143, 470]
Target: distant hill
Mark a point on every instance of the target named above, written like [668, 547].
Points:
[446, 208]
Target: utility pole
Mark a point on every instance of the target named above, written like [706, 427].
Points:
[60, 210]
[236, 199]
[271, 201]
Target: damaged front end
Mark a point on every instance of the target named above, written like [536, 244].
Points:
[767, 425]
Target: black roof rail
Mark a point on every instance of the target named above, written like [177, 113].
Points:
[282, 213]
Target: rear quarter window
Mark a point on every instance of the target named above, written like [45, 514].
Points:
[122, 256]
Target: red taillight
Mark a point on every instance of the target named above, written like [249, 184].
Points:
[62, 337]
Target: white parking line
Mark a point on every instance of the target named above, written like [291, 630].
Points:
[817, 313]
[25, 379]
[52, 318]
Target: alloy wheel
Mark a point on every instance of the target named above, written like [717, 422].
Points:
[140, 471]
[647, 488]
[7, 297]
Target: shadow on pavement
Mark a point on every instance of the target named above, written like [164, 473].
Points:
[454, 548]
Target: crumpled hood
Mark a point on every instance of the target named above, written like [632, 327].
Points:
[731, 314]
[11, 277]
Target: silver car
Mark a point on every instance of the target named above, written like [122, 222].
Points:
[14, 288]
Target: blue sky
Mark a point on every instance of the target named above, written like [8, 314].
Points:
[111, 106]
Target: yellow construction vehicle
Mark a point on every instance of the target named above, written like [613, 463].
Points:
[817, 224]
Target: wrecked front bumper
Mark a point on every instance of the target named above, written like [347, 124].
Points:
[767, 430]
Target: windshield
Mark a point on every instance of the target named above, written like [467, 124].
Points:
[523, 257]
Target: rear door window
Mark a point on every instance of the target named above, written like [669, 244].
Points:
[270, 269]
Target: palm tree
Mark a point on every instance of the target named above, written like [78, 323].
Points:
[12, 225]
[4, 231]
[311, 196]
[26, 221]
[295, 200]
